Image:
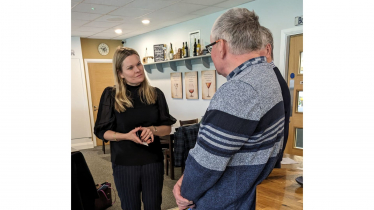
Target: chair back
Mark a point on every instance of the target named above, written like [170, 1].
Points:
[167, 141]
[188, 122]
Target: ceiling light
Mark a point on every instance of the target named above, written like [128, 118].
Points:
[145, 21]
[118, 31]
[93, 8]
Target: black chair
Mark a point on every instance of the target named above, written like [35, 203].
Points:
[184, 123]
[168, 153]
[83, 189]
[103, 146]
[188, 122]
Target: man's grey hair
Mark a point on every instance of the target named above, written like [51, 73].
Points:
[240, 28]
[267, 38]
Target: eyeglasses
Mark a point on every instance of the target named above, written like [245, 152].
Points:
[210, 46]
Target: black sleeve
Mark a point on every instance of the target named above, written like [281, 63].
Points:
[105, 119]
[165, 117]
[285, 93]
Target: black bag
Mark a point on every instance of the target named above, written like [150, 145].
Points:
[105, 196]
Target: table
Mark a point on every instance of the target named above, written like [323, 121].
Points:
[280, 190]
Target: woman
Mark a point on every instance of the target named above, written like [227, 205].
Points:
[134, 106]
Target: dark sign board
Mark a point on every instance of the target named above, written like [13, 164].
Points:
[158, 52]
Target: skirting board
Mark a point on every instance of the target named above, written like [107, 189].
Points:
[79, 144]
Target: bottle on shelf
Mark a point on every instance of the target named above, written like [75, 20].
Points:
[171, 53]
[164, 48]
[194, 48]
[183, 51]
[186, 48]
[145, 60]
[198, 47]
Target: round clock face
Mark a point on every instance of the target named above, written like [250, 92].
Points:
[103, 49]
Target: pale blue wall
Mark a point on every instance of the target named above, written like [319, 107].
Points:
[274, 14]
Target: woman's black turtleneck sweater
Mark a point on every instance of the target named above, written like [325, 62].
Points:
[127, 152]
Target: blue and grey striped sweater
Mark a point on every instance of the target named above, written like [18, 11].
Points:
[239, 140]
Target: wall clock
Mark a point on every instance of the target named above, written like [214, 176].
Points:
[103, 49]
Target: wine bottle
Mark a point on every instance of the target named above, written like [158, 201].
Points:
[171, 54]
[194, 48]
[183, 52]
[198, 48]
[186, 56]
[146, 56]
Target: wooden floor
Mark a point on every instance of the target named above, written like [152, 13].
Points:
[280, 190]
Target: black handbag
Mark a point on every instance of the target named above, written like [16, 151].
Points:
[105, 196]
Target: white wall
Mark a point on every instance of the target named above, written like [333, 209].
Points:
[274, 14]
[81, 136]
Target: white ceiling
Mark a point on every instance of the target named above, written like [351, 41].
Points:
[109, 15]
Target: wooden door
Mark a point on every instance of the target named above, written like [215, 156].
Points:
[295, 83]
[101, 76]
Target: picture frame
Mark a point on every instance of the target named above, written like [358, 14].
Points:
[208, 84]
[192, 89]
[176, 85]
[158, 52]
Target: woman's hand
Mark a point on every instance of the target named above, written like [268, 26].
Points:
[146, 135]
[133, 137]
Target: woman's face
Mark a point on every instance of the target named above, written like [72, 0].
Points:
[132, 70]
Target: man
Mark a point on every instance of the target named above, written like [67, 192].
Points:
[241, 133]
[267, 51]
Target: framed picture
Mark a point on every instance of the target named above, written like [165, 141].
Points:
[176, 85]
[158, 50]
[208, 84]
[192, 90]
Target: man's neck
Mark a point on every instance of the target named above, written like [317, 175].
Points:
[234, 61]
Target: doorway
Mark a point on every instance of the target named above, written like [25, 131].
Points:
[99, 75]
[295, 83]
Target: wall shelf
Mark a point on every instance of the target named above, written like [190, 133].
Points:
[173, 63]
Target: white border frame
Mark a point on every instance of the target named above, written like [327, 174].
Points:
[86, 61]
[283, 58]
[191, 44]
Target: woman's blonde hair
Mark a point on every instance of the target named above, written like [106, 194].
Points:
[147, 93]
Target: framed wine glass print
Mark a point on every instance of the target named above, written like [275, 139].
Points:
[192, 90]
[176, 85]
[208, 84]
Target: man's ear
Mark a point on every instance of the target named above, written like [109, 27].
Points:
[268, 50]
[223, 49]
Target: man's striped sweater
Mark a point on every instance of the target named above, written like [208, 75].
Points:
[239, 140]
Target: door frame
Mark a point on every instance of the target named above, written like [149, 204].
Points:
[86, 61]
[284, 55]
[84, 142]
[284, 48]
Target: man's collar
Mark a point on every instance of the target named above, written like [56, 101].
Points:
[248, 63]
[272, 64]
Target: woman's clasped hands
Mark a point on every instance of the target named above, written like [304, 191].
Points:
[141, 135]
